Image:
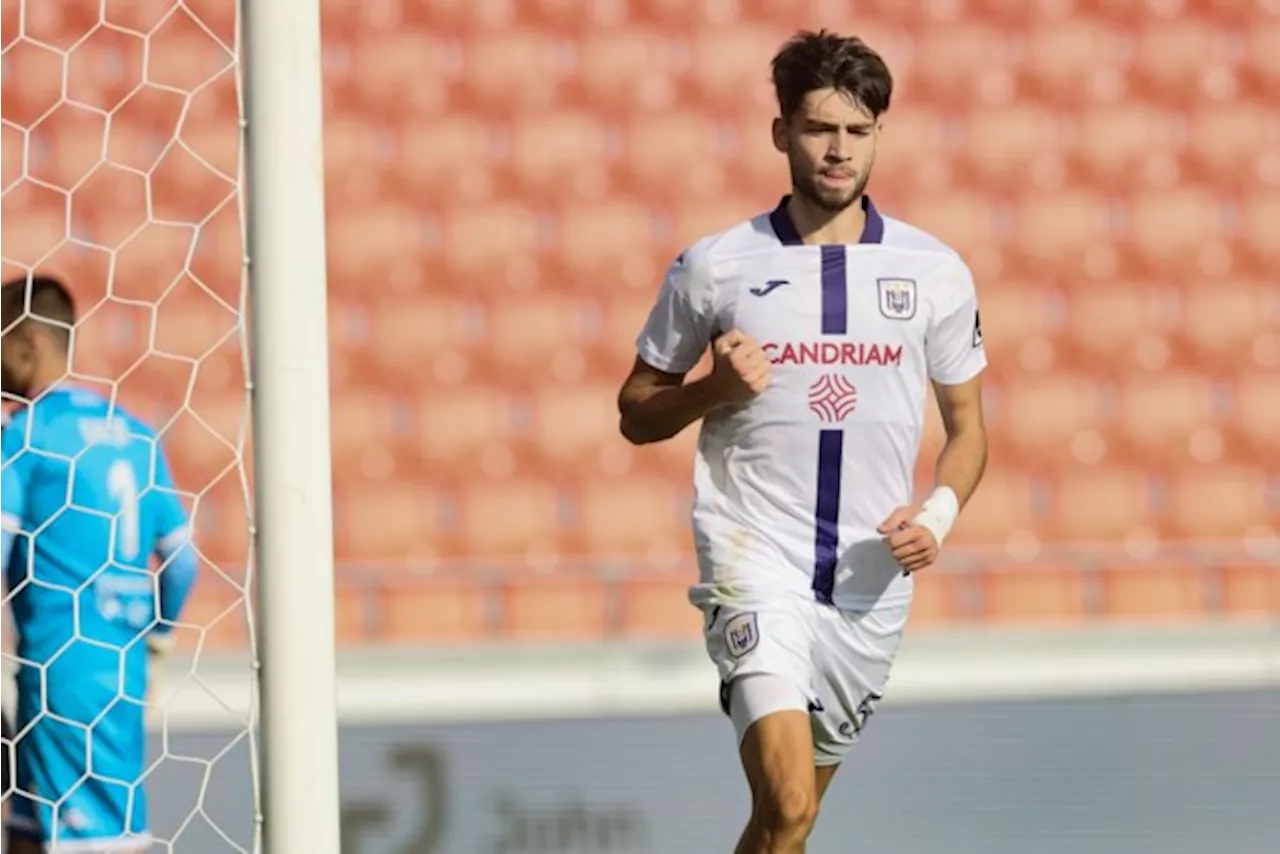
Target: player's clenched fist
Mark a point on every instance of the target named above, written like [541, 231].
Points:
[740, 370]
[913, 545]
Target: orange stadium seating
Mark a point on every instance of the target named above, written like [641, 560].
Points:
[506, 182]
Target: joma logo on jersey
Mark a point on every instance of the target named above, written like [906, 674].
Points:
[833, 353]
[897, 298]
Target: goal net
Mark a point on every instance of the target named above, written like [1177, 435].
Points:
[121, 177]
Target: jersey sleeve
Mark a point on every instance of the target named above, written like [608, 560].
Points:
[679, 327]
[953, 344]
[170, 516]
[178, 560]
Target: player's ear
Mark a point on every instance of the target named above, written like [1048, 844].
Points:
[780, 141]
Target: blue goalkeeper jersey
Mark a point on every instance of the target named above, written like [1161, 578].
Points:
[88, 499]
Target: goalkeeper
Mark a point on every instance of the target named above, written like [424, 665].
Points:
[87, 501]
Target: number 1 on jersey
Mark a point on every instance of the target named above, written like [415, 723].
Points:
[122, 484]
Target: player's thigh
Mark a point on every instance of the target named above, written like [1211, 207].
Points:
[22, 844]
[855, 654]
[777, 756]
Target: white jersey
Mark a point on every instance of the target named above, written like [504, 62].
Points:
[790, 487]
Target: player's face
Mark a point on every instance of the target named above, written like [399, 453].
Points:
[830, 144]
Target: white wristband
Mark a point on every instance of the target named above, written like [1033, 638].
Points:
[939, 512]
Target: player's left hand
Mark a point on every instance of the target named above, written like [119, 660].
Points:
[913, 546]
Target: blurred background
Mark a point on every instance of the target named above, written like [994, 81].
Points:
[507, 180]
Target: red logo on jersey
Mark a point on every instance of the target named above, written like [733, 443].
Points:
[833, 397]
[833, 353]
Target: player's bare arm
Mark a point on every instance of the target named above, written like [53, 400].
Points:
[656, 405]
[915, 532]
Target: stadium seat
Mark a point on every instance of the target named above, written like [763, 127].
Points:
[1065, 232]
[561, 607]
[655, 605]
[672, 155]
[1221, 504]
[1043, 594]
[1009, 508]
[1172, 230]
[1120, 325]
[1012, 146]
[625, 67]
[943, 598]
[66, 146]
[725, 67]
[1172, 57]
[369, 431]
[965, 219]
[407, 68]
[1102, 505]
[1076, 60]
[1229, 141]
[578, 425]
[604, 247]
[914, 154]
[1257, 415]
[562, 153]
[1055, 421]
[1259, 214]
[1126, 144]
[543, 335]
[438, 609]
[1250, 590]
[1172, 417]
[366, 244]
[1021, 321]
[487, 244]
[220, 520]
[514, 69]
[1231, 324]
[467, 430]
[516, 519]
[450, 155]
[32, 82]
[1262, 54]
[379, 522]
[638, 517]
[1154, 592]
[428, 338]
[961, 61]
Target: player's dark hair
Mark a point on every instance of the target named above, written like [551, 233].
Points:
[825, 60]
[51, 305]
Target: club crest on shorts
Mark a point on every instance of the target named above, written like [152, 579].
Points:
[897, 298]
[742, 634]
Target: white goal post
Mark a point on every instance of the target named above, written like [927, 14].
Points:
[284, 214]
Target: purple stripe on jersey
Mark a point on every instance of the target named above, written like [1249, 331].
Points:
[872, 229]
[835, 312]
[826, 538]
[835, 321]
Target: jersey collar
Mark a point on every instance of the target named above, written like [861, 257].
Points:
[872, 229]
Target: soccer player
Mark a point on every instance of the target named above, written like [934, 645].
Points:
[826, 319]
[87, 501]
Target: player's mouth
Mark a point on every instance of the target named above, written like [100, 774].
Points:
[836, 176]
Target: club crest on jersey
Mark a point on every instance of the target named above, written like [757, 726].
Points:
[742, 634]
[897, 298]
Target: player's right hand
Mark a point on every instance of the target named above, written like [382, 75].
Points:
[740, 369]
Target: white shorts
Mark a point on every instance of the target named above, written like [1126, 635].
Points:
[838, 661]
